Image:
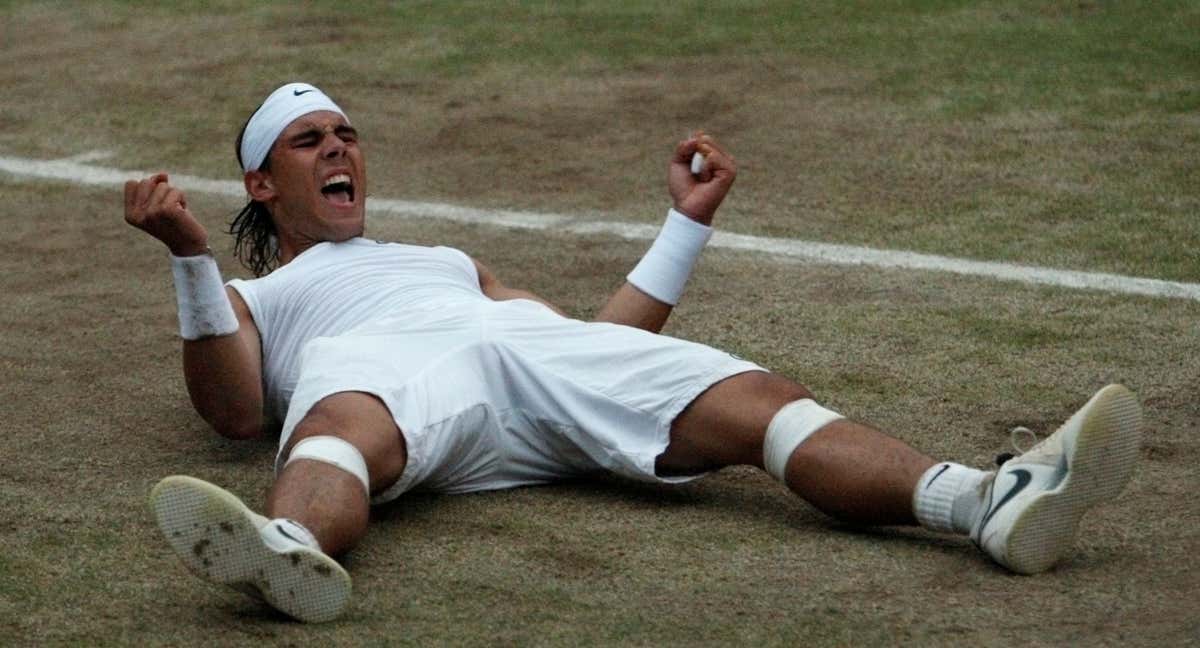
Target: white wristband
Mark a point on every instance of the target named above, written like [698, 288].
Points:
[665, 269]
[204, 308]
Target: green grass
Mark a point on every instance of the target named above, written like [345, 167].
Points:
[966, 59]
[1064, 134]
[947, 363]
[1060, 133]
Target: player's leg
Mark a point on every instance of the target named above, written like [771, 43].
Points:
[846, 469]
[320, 487]
[1025, 515]
[319, 506]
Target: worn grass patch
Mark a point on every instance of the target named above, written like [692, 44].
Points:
[1061, 133]
[98, 413]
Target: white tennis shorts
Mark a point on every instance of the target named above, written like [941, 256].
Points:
[510, 393]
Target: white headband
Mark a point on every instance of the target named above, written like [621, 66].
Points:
[281, 108]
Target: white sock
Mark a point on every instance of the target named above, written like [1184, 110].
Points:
[292, 530]
[948, 497]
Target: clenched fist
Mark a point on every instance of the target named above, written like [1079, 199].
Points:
[155, 207]
[698, 196]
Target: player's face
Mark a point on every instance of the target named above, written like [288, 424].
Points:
[319, 178]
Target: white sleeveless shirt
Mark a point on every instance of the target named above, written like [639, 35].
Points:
[332, 288]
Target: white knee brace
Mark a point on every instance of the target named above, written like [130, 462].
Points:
[334, 451]
[792, 424]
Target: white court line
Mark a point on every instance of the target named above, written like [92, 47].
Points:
[75, 170]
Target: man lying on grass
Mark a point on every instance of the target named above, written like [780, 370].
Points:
[395, 367]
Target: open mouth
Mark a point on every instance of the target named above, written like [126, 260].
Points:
[338, 189]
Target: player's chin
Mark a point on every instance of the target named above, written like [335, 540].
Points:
[344, 216]
[347, 233]
[345, 228]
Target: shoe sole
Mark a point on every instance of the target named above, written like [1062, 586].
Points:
[1100, 463]
[215, 535]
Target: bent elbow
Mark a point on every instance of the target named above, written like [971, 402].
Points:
[232, 418]
[238, 430]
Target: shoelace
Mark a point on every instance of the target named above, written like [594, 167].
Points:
[1014, 436]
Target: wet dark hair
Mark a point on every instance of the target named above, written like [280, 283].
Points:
[254, 242]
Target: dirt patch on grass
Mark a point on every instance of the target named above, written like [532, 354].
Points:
[95, 411]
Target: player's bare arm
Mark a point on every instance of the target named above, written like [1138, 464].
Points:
[224, 376]
[696, 197]
[223, 372]
[647, 299]
[495, 289]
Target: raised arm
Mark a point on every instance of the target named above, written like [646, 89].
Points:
[651, 291]
[222, 357]
[653, 288]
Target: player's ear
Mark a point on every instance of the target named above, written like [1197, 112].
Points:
[259, 185]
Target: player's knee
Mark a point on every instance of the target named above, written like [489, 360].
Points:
[773, 389]
[725, 425]
[336, 452]
[319, 421]
[363, 423]
[791, 426]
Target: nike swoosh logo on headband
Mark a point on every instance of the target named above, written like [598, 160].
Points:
[297, 93]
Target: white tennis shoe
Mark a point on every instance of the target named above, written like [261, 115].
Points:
[222, 540]
[1032, 510]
